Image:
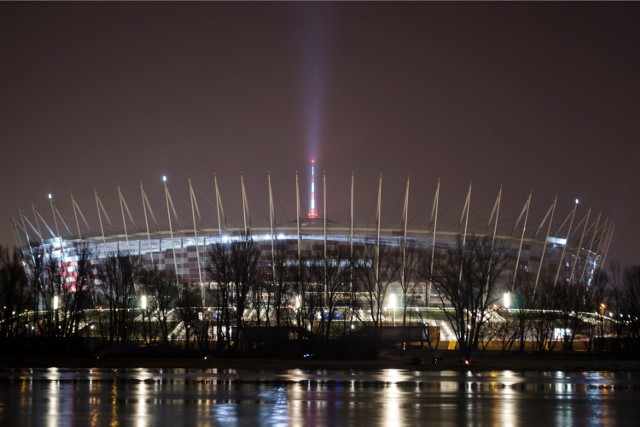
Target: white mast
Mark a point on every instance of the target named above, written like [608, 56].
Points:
[104, 240]
[173, 246]
[564, 247]
[434, 221]
[405, 217]
[609, 238]
[145, 202]
[584, 229]
[34, 208]
[525, 211]
[124, 223]
[593, 236]
[496, 211]
[549, 214]
[465, 216]
[378, 215]
[75, 214]
[271, 228]
[194, 207]
[245, 209]
[298, 216]
[22, 217]
[351, 220]
[324, 221]
[300, 295]
[55, 218]
[219, 209]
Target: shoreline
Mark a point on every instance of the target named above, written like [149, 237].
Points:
[410, 360]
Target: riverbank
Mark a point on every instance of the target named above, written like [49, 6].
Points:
[389, 359]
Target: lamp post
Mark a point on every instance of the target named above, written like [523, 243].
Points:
[392, 308]
[55, 305]
[506, 300]
[143, 308]
[603, 306]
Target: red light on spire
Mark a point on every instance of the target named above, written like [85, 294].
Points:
[312, 211]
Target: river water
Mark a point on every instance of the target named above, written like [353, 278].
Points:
[387, 397]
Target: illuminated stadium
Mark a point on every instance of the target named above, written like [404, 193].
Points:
[545, 241]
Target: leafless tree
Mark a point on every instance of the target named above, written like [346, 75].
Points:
[616, 302]
[330, 274]
[409, 263]
[234, 267]
[161, 288]
[305, 298]
[281, 284]
[467, 277]
[116, 283]
[220, 272]
[545, 317]
[15, 294]
[375, 270]
[516, 319]
[631, 306]
[189, 310]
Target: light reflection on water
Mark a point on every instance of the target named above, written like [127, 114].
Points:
[150, 397]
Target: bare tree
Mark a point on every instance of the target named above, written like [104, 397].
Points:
[219, 270]
[516, 324]
[545, 317]
[616, 302]
[596, 300]
[234, 267]
[161, 288]
[281, 284]
[189, 310]
[81, 281]
[116, 278]
[375, 271]
[631, 306]
[15, 294]
[330, 273]
[467, 277]
[411, 259]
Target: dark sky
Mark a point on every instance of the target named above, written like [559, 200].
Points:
[540, 96]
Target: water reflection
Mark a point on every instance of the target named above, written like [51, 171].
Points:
[391, 415]
[149, 397]
[53, 397]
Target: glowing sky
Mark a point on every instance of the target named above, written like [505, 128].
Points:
[528, 96]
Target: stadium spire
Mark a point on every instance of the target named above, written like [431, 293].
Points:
[312, 211]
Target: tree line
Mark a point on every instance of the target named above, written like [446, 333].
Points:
[262, 300]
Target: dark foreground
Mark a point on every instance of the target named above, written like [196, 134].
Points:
[422, 360]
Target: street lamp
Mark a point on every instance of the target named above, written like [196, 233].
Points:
[506, 300]
[143, 308]
[392, 307]
[603, 306]
[55, 304]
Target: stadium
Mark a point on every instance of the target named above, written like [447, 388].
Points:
[548, 243]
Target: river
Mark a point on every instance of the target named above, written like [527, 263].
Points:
[143, 397]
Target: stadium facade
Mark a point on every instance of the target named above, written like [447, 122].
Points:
[550, 244]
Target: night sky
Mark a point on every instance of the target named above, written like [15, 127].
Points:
[524, 95]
